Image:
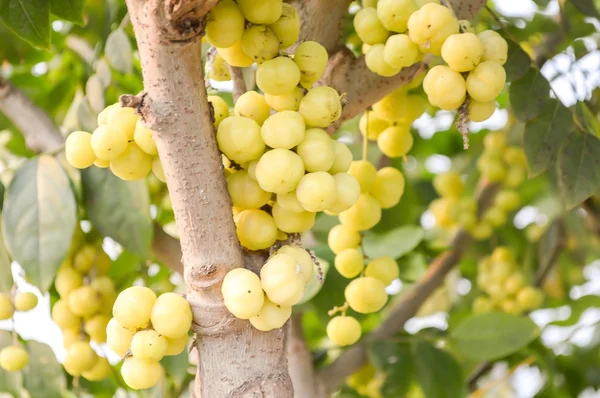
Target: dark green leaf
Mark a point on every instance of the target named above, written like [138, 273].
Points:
[517, 63]
[71, 10]
[10, 382]
[529, 94]
[544, 135]
[119, 209]
[2, 191]
[44, 376]
[119, 52]
[579, 168]
[412, 267]
[396, 362]
[39, 218]
[29, 19]
[586, 7]
[394, 243]
[6, 278]
[438, 373]
[491, 336]
[585, 119]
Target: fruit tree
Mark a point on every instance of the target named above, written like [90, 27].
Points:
[299, 198]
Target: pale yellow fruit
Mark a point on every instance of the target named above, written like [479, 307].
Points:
[321, 106]
[13, 358]
[530, 298]
[317, 151]
[480, 111]
[482, 305]
[108, 143]
[261, 11]
[242, 293]
[283, 130]
[376, 62]
[78, 150]
[255, 229]
[317, 191]
[158, 170]
[149, 345]
[63, 316]
[25, 301]
[429, 27]
[102, 118]
[495, 47]
[260, 43]
[171, 316]
[224, 24]
[278, 76]
[302, 257]
[133, 164]
[176, 346]
[343, 158]
[144, 139]
[279, 171]
[291, 221]
[486, 81]
[311, 58]
[347, 193]
[67, 280]
[400, 51]
[218, 70]
[133, 307]
[462, 51]
[282, 280]
[287, 27]
[466, 26]
[400, 108]
[383, 268]
[245, 192]
[371, 125]
[140, 374]
[252, 105]
[95, 327]
[6, 307]
[80, 358]
[445, 88]
[239, 139]
[271, 316]
[124, 120]
[366, 295]
[388, 187]
[344, 330]
[289, 201]
[285, 102]
[84, 258]
[448, 184]
[395, 141]
[342, 237]
[363, 215]
[103, 164]
[100, 371]
[364, 172]
[368, 26]
[349, 263]
[394, 14]
[118, 337]
[235, 55]
[84, 301]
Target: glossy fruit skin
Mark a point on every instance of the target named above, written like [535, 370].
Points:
[252, 105]
[291, 221]
[176, 346]
[283, 130]
[282, 280]
[495, 48]
[394, 14]
[224, 24]
[78, 149]
[171, 316]
[256, 229]
[133, 164]
[13, 358]
[462, 52]
[311, 58]
[6, 307]
[375, 60]
[148, 345]
[271, 316]
[318, 151]
[303, 259]
[108, 143]
[316, 191]
[133, 307]
[287, 27]
[388, 187]
[486, 81]
[63, 316]
[262, 11]
[368, 26]
[349, 262]
[366, 295]
[100, 371]
[118, 337]
[220, 108]
[260, 43]
[344, 330]
[395, 141]
[242, 293]
[430, 26]
[400, 51]
[80, 358]
[279, 171]
[278, 76]
[445, 88]
[363, 215]
[239, 139]
[342, 237]
[140, 374]
[383, 268]
[321, 106]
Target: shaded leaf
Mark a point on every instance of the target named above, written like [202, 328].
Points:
[71, 10]
[39, 218]
[586, 7]
[585, 119]
[491, 336]
[544, 135]
[517, 63]
[119, 209]
[394, 243]
[579, 168]
[438, 373]
[44, 376]
[6, 278]
[29, 19]
[396, 362]
[94, 92]
[85, 116]
[177, 367]
[10, 382]
[412, 267]
[119, 52]
[529, 94]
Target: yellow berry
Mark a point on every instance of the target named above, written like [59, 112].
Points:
[108, 143]
[530, 298]
[375, 61]
[239, 139]
[255, 229]
[495, 47]
[400, 51]
[261, 11]
[321, 106]
[242, 293]
[13, 358]
[342, 237]
[395, 141]
[220, 108]
[363, 215]
[343, 158]
[349, 262]
[480, 111]
[63, 316]
[171, 316]
[317, 150]
[347, 193]
[245, 192]
[235, 55]
[218, 70]
[78, 150]
[84, 301]
[287, 27]
[140, 374]
[429, 27]
[95, 327]
[291, 221]
[176, 346]
[344, 330]
[371, 125]
[133, 307]
[364, 172]
[278, 76]
[462, 51]
[158, 170]
[148, 345]
[282, 280]
[289, 201]
[311, 58]
[448, 184]
[80, 358]
[260, 43]
[316, 191]
[271, 316]
[84, 258]
[224, 24]
[283, 130]
[368, 26]
[103, 164]
[394, 14]
[388, 187]
[123, 120]
[133, 164]
[279, 171]
[445, 88]
[303, 259]
[106, 112]
[366, 295]
[25, 301]
[383, 268]
[100, 371]
[6, 307]
[486, 81]
[118, 337]
[252, 105]
[144, 138]
[285, 102]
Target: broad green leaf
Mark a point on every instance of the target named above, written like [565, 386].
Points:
[587, 7]
[544, 135]
[71, 10]
[394, 243]
[412, 267]
[43, 376]
[6, 278]
[119, 209]
[517, 63]
[39, 217]
[529, 94]
[579, 168]
[10, 382]
[491, 336]
[438, 373]
[585, 120]
[29, 19]
[396, 361]
[177, 367]
[94, 92]
[119, 52]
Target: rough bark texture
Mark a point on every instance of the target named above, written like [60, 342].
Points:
[305, 380]
[39, 130]
[167, 249]
[322, 21]
[235, 360]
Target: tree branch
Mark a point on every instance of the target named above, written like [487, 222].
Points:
[167, 249]
[300, 363]
[38, 129]
[239, 84]
[322, 21]
[334, 375]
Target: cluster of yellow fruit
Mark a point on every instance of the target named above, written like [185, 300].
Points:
[145, 328]
[83, 310]
[14, 358]
[505, 285]
[380, 189]
[501, 164]
[120, 142]
[267, 301]
[367, 381]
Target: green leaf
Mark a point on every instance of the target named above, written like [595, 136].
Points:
[29, 19]
[529, 94]
[438, 373]
[517, 63]
[586, 7]
[177, 367]
[119, 52]
[44, 376]
[6, 278]
[40, 214]
[394, 243]
[544, 135]
[10, 382]
[585, 119]
[491, 336]
[578, 168]
[94, 92]
[71, 10]
[119, 209]
[412, 267]
[396, 362]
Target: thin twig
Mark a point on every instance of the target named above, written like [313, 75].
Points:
[239, 84]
